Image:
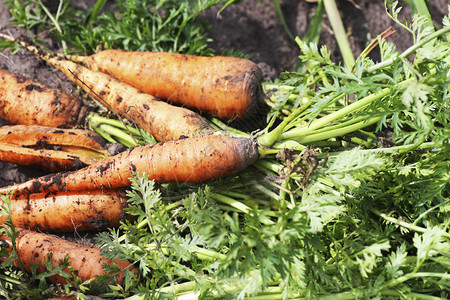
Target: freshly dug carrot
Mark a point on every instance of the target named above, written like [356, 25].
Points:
[227, 87]
[51, 148]
[45, 159]
[44, 136]
[186, 160]
[24, 101]
[68, 211]
[33, 247]
[160, 119]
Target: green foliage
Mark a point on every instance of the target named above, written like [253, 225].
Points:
[136, 25]
[168, 239]
[322, 239]
[407, 98]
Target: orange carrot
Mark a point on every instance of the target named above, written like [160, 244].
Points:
[68, 211]
[34, 247]
[44, 136]
[187, 160]
[160, 119]
[227, 87]
[54, 149]
[49, 160]
[24, 101]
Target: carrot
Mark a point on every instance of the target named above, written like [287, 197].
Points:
[24, 101]
[160, 119]
[68, 211]
[49, 160]
[44, 136]
[51, 148]
[186, 160]
[34, 247]
[227, 87]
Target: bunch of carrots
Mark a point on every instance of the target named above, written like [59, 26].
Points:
[143, 87]
[90, 195]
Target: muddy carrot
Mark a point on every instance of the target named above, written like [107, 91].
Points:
[186, 160]
[227, 87]
[34, 247]
[24, 101]
[160, 119]
[68, 211]
[35, 135]
[50, 148]
[45, 159]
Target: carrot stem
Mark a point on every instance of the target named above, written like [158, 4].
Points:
[420, 7]
[337, 115]
[337, 132]
[399, 222]
[231, 202]
[115, 130]
[339, 32]
[113, 134]
[271, 137]
[410, 50]
[270, 165]
[220, 125]
[384, 35]
[327, 132]
[10, 279]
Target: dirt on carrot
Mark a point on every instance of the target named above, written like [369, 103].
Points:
[34, 247]
[186, 160]
[24, 101]
[227, 87]
[48, 160]
[162, 120]
[68, 211]
[50, 148]
[45, 136]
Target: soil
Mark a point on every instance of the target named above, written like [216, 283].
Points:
[252, 27]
